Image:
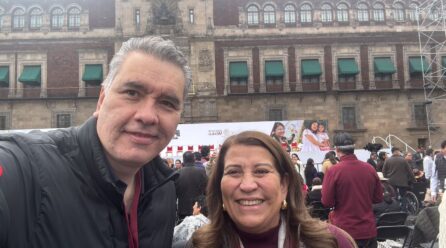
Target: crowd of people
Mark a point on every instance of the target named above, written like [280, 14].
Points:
[103, 184]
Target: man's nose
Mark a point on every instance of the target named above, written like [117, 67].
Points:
[147, 112]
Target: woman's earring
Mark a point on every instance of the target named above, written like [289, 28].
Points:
[284, 205]
[223, 205]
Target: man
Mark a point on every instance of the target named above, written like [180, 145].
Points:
[101, 184]
[418, 158]
[439, 171]
[428, 164]
[351, 187]
[198, 160]
[398, 171]
[409, 158]
[190, 184]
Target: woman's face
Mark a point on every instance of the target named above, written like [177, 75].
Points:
[294, 158]
[177, 164]
[314, 126]
[280, 131]
[252, 189]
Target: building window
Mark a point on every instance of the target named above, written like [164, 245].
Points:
[384, 68]
[35, 19]
[4, 121]
[18, 19]
[275, 114]
[137, 16]
[238, 73]
[378, 12]
[253, 15]
[274, 72]
[191, 16]
[63, 120]
[398, 12]
[349, 117]
[326, 13]
[413, 12]
[74, 17]
[290, 14]
[342, 12]
[419, 114]
[57, 18]
[363, 12]
[269, 15]
[305, 14]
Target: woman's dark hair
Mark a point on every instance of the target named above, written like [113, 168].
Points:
[275, 126]
[382, 155]
[331, 155]
[201, 200]
[310, 123]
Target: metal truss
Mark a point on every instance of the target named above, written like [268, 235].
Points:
[432, 40]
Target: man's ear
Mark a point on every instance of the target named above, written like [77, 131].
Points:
[100, 101]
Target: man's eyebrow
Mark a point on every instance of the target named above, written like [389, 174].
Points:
[134, 85]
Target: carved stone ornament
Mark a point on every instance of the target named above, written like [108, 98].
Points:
[205, 60]
[165, 12]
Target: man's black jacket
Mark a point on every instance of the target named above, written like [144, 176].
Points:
[57, 190]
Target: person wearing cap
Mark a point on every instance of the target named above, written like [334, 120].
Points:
[351, 187]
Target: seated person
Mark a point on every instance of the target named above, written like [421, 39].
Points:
[388, 205]
[187, 227]
[316, 191]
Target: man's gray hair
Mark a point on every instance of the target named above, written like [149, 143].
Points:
[156, 46]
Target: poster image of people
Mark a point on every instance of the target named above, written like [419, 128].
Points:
[285, 134]
[314, 136]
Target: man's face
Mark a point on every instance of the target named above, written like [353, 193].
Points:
[139, 114]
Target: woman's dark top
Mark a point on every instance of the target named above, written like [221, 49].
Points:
[267, 239]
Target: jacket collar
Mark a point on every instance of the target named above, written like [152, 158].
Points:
[155, 172]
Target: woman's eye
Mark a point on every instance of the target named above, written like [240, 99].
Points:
[232, 172]
[261, 172]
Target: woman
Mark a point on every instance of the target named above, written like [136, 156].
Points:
[310, 172]
[329, 161]
[382, 156]
[254, 195]
[310, 141]
[278, 133]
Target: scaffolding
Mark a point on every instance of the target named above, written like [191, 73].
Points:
[432, 40]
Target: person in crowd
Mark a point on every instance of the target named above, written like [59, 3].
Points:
[95, 185]
[408, 157]
[440, 167]
[434, 178]
[210, 163]
[389, 204]
[190, 184]
[382, 156]
[373, 160]
[329, 161]
[315, 193]
[417, 157]
[398, 171]
[278, 133]
[351, 187]
[323, 137]
[310, 141]
[442, 228]
[255, 199]
[178, 165]
[428, 164]
[198, 162]
[205, 153]
[190, 224]
[297, 164]
[310, 172]
[169, 162]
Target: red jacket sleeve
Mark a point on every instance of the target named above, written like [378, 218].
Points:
[328, 189]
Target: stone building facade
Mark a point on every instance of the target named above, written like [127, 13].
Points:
[353, 63]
